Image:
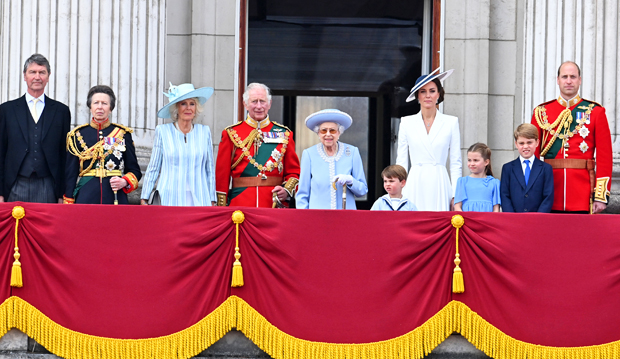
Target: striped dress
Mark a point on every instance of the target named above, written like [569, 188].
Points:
[184, 166]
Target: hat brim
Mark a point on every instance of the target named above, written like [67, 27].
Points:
[202, 94]
[336, 116]
[440, 76]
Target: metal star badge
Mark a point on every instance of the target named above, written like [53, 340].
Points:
[583, 146]
[110, 165]
[584, 132]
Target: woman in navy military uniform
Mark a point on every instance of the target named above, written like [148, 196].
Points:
[102, 166]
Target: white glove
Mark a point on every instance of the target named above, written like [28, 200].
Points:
[343, 179]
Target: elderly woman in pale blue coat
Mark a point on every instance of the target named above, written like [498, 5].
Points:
[331, 166]
[182, 158]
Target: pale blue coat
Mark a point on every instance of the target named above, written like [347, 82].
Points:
[185, 168]
[318, 170]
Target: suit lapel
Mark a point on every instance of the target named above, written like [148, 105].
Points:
[22, 116]
[48, 116]
[534, 173]
[518, 173]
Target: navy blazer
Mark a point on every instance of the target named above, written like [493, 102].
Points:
[537, 196]
[14, 141]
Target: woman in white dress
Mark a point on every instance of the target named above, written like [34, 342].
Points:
[427, 138]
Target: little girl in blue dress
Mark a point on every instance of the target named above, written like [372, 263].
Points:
[478, 192]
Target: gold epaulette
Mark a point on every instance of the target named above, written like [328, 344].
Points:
[546, 103]
[281, 125]
[127, 129]
[233, 125]
[72, 133]
[594, 102]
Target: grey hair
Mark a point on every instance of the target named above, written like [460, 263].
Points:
[318, 127]
[39, 60]
[174, 111]
[255, 85]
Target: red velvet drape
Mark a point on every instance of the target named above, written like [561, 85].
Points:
[331, 276]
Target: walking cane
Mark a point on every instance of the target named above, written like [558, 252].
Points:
[344, 194]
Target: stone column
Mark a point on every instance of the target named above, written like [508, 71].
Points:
[201, 48]
[118, 43]
[466, 50]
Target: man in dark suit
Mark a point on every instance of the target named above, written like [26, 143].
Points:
[33, 132]
[527, 182]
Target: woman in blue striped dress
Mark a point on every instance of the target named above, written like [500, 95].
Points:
[182, 159]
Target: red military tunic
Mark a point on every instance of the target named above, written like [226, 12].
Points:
[258, 157]
[574, 130]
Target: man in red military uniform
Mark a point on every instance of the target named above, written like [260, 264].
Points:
[259, 155]
[571, 129]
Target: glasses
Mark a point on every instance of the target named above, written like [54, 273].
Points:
[333, 131]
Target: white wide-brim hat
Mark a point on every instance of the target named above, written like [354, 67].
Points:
[329, 115]
[183, 92]
[424, 79]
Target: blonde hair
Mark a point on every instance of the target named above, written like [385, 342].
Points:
[485, 152]
[174, 110]
[526, 130]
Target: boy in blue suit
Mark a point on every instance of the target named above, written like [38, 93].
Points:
[527, 182]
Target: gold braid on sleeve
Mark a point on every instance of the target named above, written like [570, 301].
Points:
[601, 193]
[291, 186]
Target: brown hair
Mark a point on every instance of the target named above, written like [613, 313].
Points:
[440, 89]
[104, 90]
[526, 130]
[485, 152]
[569, 62]
[395, 171]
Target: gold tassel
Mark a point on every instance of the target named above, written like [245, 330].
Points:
[237, 273]
[458, 285]
[16, 271]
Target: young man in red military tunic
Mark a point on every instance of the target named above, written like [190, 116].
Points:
[571, 129]
[259, 155]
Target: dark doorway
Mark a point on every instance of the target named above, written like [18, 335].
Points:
[362, 56]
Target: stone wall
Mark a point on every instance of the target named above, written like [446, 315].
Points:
[201, 49]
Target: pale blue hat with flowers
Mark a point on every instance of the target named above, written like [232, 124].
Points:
[424, 79]
[183, 92]
[329, 115]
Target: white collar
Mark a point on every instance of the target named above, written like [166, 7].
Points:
[30, 98]
[523, 159]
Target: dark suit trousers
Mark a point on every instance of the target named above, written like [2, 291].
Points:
[33, 189]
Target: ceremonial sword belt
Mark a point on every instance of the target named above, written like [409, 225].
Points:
[101, 172]
[269, 181]
[575, 163]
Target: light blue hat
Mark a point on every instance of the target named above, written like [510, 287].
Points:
[329, 115]
[424, 79]
[183, 92]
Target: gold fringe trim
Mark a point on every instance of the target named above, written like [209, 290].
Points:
[66, 343]
[418, 343]
[498, 345]
[235, 312]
